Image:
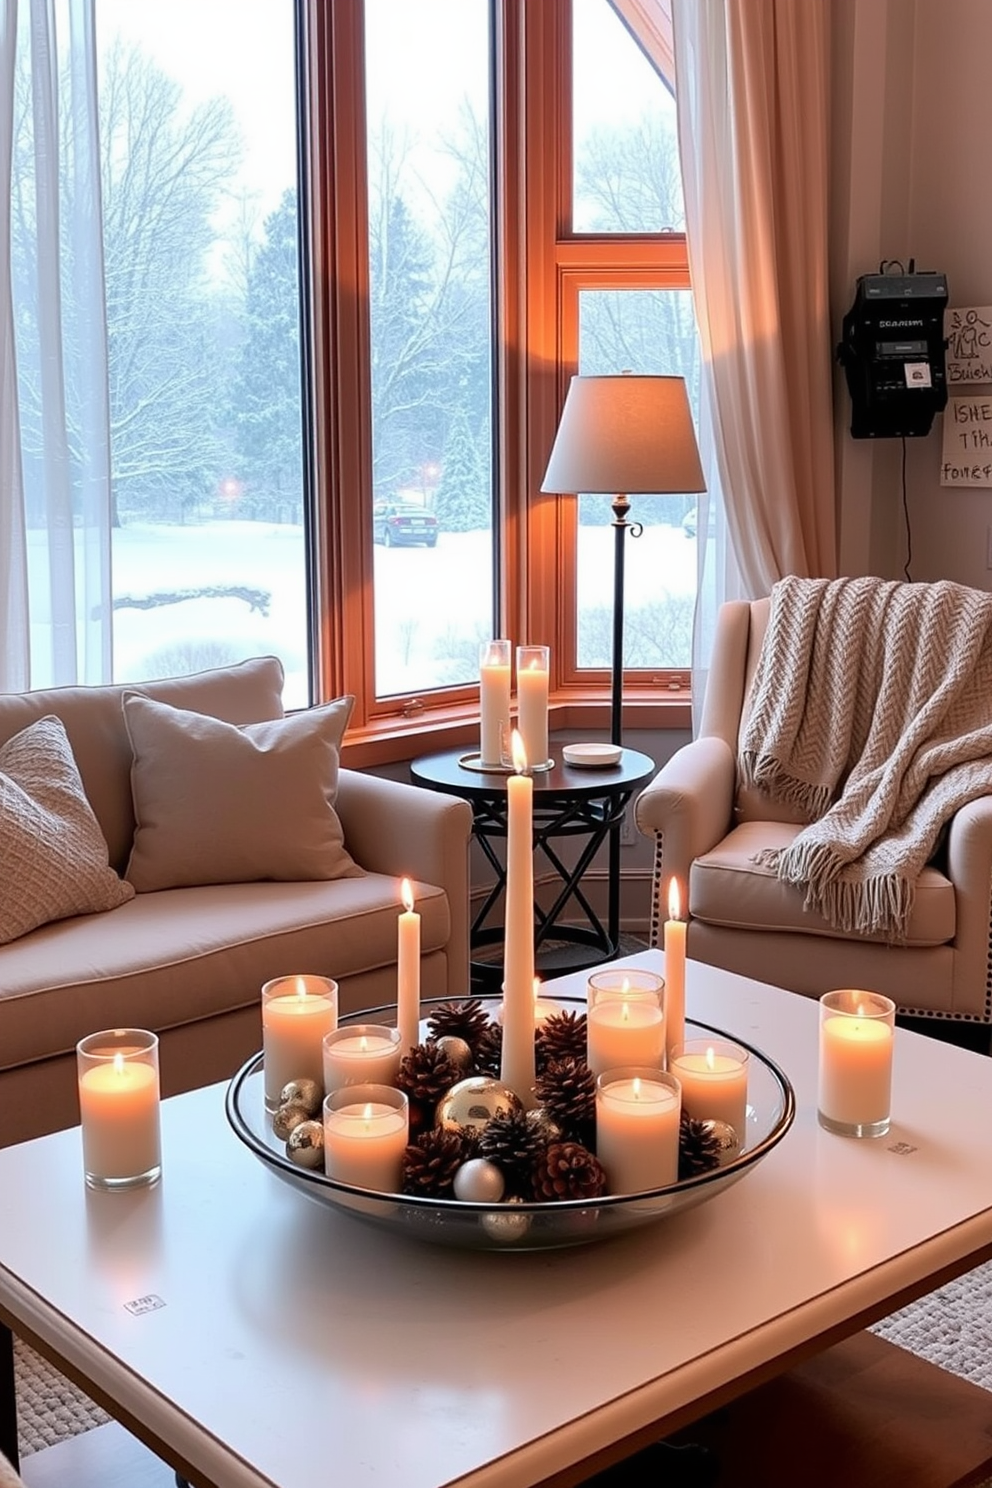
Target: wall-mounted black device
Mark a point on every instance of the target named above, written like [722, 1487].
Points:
[893, 354]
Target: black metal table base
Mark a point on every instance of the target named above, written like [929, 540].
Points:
[8, 1398]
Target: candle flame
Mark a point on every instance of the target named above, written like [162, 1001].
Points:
[118, 1064]
[537, 989]
[711, 1058]
[518, 752]
[406, 892]
[534, 665]
[367, 1113]
[674, 901]
[301, 988]
[625, 1013]
[363, 1043]
[637, 1087]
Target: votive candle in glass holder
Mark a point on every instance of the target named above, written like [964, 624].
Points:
[533, 668]
[297, 1011]
[494, 702]
[625, 1020]
[857, 1038]
[118, 1080]
[637, 1128]
[366, 1130]
[361, 1054]
[713, 1075]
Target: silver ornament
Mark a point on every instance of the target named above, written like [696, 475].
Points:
[479, 1181]
[473, 1103]
[305, 1144]
[285, 1118]
[306, 1093]
[728, 1142]
[504, 1225]
[458, 1051]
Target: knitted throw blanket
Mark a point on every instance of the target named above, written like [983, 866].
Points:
[872, 714]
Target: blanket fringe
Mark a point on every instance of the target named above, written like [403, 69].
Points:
[879, 905]
[764, 772]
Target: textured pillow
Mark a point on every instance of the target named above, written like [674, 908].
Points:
[53, 856]
[221, 803]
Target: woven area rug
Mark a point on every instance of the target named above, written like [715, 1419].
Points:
[951, 1328]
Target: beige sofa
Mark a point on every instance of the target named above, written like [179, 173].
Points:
[189, 962]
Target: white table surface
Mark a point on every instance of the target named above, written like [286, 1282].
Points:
[300, 1345]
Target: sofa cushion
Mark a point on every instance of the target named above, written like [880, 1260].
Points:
[244, 693]
[216, 803]
[184, 955]
[53, 856]
[727, 888]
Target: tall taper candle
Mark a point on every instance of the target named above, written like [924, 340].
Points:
[408, 972]
[517, 1065]
[675, 929]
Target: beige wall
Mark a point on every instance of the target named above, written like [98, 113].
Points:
[910, 180]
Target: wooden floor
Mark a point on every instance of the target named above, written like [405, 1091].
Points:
[866, 1414]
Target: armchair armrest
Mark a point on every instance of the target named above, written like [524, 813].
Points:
[969, 867]
[395, 828]
[688, 806]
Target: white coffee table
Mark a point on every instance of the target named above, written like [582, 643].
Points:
[252, 1337]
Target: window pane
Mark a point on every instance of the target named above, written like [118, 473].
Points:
[625, 160]
[429, 251]
[645, 331]
[199, 149]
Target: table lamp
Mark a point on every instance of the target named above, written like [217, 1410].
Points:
[619, 435]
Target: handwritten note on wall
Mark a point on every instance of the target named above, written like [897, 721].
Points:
[966, 458]
[969, 344]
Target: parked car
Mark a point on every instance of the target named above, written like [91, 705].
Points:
[403, 524]
[691, 520]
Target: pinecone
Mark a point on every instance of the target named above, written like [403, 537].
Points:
[566, 1089]
[489, 1050]
[431, 1161]
[699, 1147]
[567, 1170]
[465, 1020]
[514, 1144]
[426, 1073]
[561, 1036]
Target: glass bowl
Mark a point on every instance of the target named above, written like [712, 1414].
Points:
[517, 1226]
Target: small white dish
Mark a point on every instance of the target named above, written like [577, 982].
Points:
[592, 756]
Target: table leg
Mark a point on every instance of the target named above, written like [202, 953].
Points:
[8, 1398]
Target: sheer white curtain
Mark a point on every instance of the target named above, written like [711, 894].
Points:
[55, 490]
[752, 100]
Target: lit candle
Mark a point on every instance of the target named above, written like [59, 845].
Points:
[532, 702]
[296, 1013]
[494, 700]
[408, 972]
[675, 929]
[119, 1107]
[366, 1130]
[625, 1022]
[361, 1054]
[857, 1032]
[517, 1064]
[637, 1129]
[713, 1077]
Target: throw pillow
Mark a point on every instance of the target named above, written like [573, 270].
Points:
[220, 803]
[53, 857]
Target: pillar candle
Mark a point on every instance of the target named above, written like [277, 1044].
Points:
[361, 1054]
[296, 1013]
[713, 1077]
[532, 702]
[119, 1107]
[855, 1064]
[637, 1129]
[494, 701]
[625, 1022]
[517, 1065]
[366, 1130]
[675, 933]
[408, 973]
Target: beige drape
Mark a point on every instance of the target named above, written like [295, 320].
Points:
[752, 98]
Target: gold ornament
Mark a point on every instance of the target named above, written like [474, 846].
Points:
[458, 1051]
[305, 1144]
[306, 1093]
[505, 1224]
[285, 1118]
[473, 1103]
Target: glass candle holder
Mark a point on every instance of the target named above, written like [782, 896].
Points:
[857, 1037]
[118, 1080]
[637, 1128]
[533, 668]
[494, 702]
[366, 1130]
[297, 1011]
[625, 1022]
[713, 1075]
[361, 1054]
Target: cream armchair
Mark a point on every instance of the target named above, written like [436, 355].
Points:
[707, 828]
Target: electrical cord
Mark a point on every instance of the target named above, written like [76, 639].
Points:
[905, 512]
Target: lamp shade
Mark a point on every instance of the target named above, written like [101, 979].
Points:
[625, 433]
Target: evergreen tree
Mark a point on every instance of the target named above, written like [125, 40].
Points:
[462, 502]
